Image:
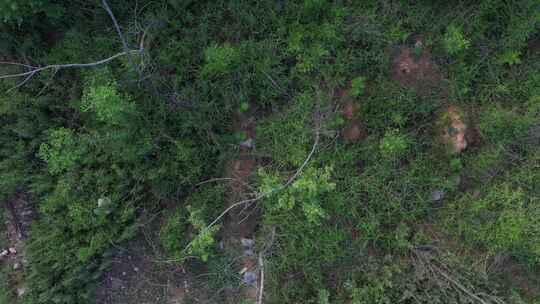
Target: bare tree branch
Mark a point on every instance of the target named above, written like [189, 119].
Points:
[57, 67]
[122, 38]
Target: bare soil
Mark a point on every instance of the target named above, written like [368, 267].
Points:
[19, 214]
[139, 274]
[416, 69]
[241, 223]
[354, 130]
[454, 130]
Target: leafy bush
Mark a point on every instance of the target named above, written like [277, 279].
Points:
[454, 41]
[220, 59]
[16, 11]
[500, 125]
[303, 194]
[394, 145]
[102, 97]
[62, 151]
[185, 232]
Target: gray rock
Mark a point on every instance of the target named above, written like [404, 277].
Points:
[12, 250]
[247, 243]
[249, 144]
[250, 278]
[437, 195]
[16, 266]
[21, 291]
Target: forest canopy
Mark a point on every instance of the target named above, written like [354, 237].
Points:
[272, 151]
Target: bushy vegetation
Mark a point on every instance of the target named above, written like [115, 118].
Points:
[387, 217]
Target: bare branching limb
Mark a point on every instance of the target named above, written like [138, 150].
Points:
[261, 284]
[56, 67]
[122, 38]
[34, 70]
[260, 292]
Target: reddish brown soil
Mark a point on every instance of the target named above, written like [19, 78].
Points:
[417, 72]
[354, 129]
[349, 109]
[518, 276]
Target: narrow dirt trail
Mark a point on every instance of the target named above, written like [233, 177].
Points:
[240, 224]
[19, 215]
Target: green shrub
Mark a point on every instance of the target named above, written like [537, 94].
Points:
[220, 59]
[358, 86]
[16, 11]
[454, 41]
[394, 145]
[499, 125]
[101, 96]
[304, 194]
[186, 228]
[62, 151]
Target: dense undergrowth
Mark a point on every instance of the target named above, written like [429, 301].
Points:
[392, 217]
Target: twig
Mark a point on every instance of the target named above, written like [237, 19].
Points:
[436, 270]
[261, 289]
[57, 67]
[18, 64]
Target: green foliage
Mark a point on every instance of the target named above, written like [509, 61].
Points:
[358, 86]
[503, 220]
[62, 151]
[220, 59]
[306, 194]
[16, 11]
[500, 125]
[101, 96]
[185, 232]
[286, 137]
[454, 41]
[394, 145]
[98, 148]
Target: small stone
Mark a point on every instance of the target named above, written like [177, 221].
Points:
[12, 250]
[104, 201]
[247, 143]
[250, 278]
[437, 195]
[4, 253]
[124, 273]
[16, 266]
[21, 291]
[247, 243]
[136, 269]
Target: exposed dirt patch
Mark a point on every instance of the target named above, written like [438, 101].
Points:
[19, 214]
[453, 129]
[521, 277]
[240, 224]
[354, 129]
[137, 275]
[414, 68]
